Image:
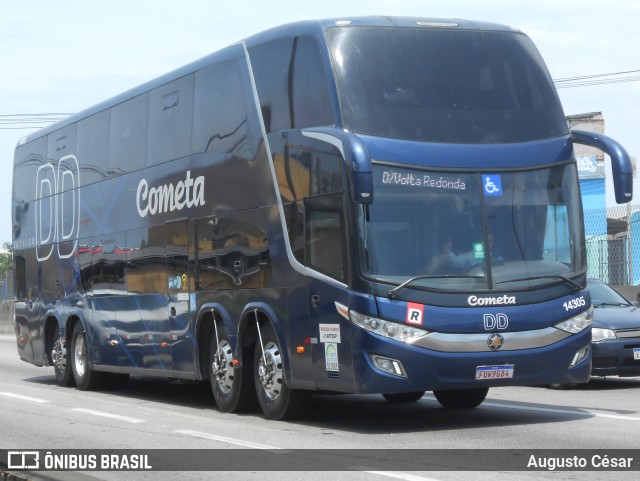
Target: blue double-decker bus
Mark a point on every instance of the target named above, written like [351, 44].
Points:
[366, 205]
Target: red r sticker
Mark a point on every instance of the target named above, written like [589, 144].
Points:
[415, 312]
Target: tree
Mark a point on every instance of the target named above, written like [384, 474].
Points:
[6, 257]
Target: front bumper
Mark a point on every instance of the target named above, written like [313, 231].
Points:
[428, 370]
[614, 357]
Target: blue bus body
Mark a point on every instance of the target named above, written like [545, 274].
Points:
[290, 215]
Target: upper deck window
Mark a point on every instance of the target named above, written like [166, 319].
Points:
[444, 85]
[292, 84]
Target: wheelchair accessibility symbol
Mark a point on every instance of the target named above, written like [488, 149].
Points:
[492, 185]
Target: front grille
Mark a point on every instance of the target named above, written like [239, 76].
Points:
[628, 334]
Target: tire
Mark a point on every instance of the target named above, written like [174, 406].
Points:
[61, 361]
[404, 397]
[461, 398]
[86, 379]
[232, 385]
[277, 401]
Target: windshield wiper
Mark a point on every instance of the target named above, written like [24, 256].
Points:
[552, 276]
[616, 304]
[393, 293]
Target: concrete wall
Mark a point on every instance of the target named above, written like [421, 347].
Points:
[6, 318]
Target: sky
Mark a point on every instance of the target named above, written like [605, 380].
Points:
[67, 55]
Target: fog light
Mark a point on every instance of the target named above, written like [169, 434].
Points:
[392, 366]
[579, 356]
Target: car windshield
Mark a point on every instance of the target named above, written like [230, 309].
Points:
[444, 85]
[472, 231]
[604, 295]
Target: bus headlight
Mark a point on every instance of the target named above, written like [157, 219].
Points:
[391, 330]
[577, 323]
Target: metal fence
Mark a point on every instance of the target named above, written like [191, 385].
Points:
[613, 244]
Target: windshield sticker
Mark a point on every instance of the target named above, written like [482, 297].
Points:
[492, 185]
[415, 313]
[426, 181]
[478, 250]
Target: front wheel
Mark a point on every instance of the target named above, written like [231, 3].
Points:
[86, 378]
[232, 386]
[276, 399]
[60, 360]
[461, 398]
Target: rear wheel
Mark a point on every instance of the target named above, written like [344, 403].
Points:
[404, 397]
[461, 398]
[86, 378]
[60, 360]
[276, 399]
[231, 384]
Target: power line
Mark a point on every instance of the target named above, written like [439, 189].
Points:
[23, 121]
[33, 115]
[597, 79]
[568, 79]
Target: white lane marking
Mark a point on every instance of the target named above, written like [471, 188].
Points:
[108, 415]
[405, 476]
[24, 398]
[222, 439]
[584, 412]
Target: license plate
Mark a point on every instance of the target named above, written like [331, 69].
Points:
[485, 373]
[636, 353]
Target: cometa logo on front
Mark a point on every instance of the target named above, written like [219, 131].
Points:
[168, 198]
[491, 301]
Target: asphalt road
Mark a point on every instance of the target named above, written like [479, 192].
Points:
[36, 414]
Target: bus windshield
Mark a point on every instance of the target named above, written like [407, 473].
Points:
[472, 231]
[444, 85]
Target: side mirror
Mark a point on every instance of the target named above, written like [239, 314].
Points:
[620, 161]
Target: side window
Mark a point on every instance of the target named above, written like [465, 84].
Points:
[311, 104]
[85, 249]
[170, 116]
[326, 237]
[312, 189]
[270, 62]
[92, 147]
[177, 250]
[109, 264]
[61, 143]
[20, 275]
[220, 119]
[303, 174]
[128, 136]
[231, 254]
[242, 254]
[146, 273]
[205, 265]
[29, 158]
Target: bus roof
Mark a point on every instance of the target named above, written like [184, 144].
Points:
[308, 27]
